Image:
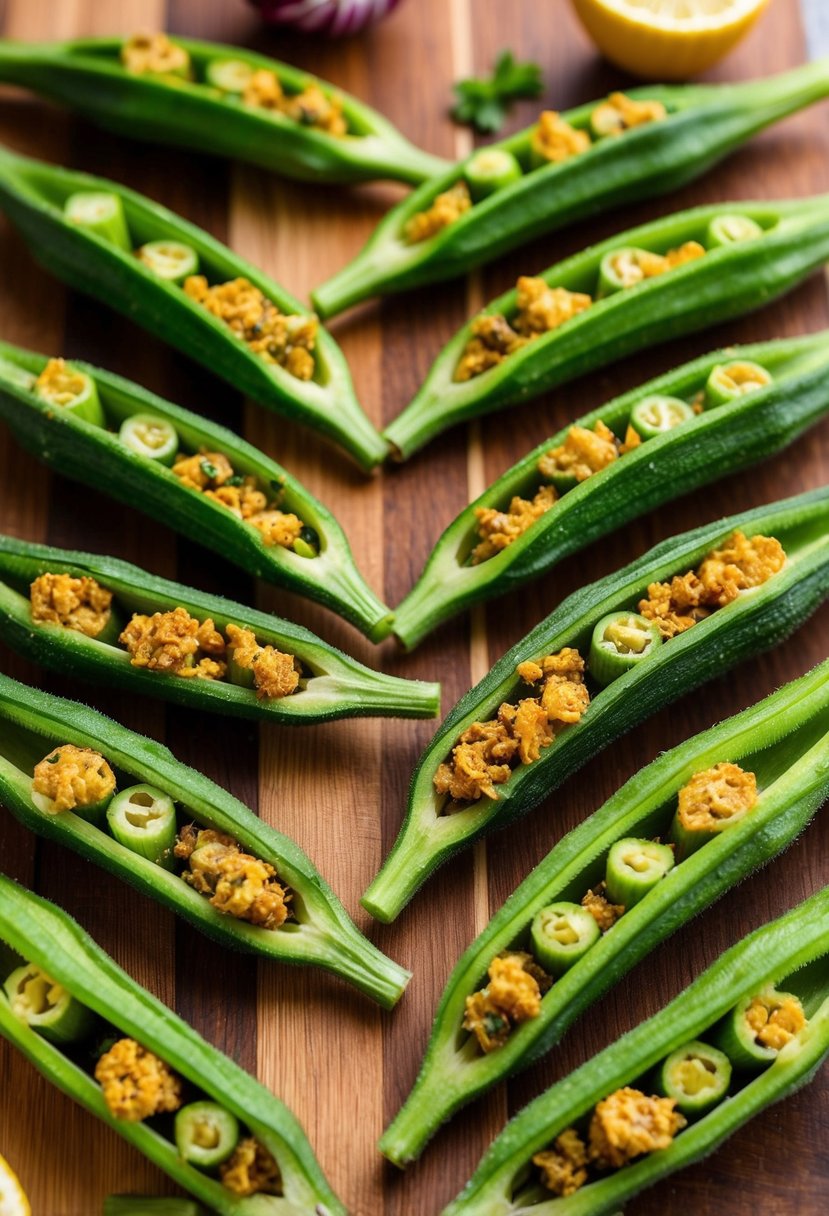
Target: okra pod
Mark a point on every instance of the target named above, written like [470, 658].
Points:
[179, 643]
[173, 1054]
[553, 327]
[783, 740]
[570, 1152]
[500, 751]
[283, 909]
[293, 123]
[138, 1205]
[127, 456]
[700, 126]
[232, 318]
[501, 540]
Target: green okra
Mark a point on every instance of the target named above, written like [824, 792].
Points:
[331, 684]
[33, 194]
[98, 456]
[702, 125]
[318, 930]
[435, 828]
[56, 943]
[746, 429]
[205, 111]
[138, 1205]
[696, 1076]
[795, 947]
[784, 740]
[726, 281]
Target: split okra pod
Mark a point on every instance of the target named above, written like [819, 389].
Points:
[169, 1059]
[571, 1151]
[774, 754]
[104, 620]
[662, 137]
[190, 290]
[124, 802]
[671, 435]
[607, 657]
[191, 474]
[670, 277]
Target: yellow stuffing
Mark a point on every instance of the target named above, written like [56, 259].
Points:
[277, 528]
[274, 674]
[512, 996]
[447, 207]
[311, 107]
[59, 383]
[498, 529]
[244, 501]
[285, 340]
[742, 564]
[73, 777]
[563, 1166]
[76, 603]
[212, 474]
[627, 1124]
[775, 1021]
[237, 883]
[716, 794]
[583, 453]
[539, 309]
[154, 53]
[251, 1170]
[487, 752]
[632, 440]
[633, 265]
[620, 112]
[555, 140]
[135, 1083]
[203, 471]
[604, 913]
[176, 643]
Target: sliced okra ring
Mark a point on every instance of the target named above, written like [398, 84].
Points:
[562, 322]
[101, 213]
[634, 867]
[229, 102]
[47, 1007]
[113, 623]
[282, 357]
[758, 1027]
[152, 1057]
[779, 740]
[126, 452]
[66, 387]
[561, 934]
[696, 1076]
[512, 532]
[289, 912]
[727, 228]
[621, 641]
[698, 127]
[459, 792]
[655, 414]
[730, 380]
[206, 1134]
[595, 1139]
[490, 170]
[169, 259]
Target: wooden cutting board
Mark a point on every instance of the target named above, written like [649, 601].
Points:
[340, 790]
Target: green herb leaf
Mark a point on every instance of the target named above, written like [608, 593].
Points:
[484, 102]
[209, 469]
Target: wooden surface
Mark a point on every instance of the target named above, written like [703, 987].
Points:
[340, 790]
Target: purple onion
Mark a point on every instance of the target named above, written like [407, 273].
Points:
[331, 17]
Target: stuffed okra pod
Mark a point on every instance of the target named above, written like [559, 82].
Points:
[104, 620]
[139, 1064]
[613, 1127]
[668, 436]
[190, 290]
[220, 99]
[563, 168]
[607, 657]
[615, 887]
[670, 277]
[187, 472]
[72, 775]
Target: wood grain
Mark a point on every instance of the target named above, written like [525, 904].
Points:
[340, 790]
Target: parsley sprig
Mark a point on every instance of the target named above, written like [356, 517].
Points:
[483, 102]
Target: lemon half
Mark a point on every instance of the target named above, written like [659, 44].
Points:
[667, 39]
[13, 1201]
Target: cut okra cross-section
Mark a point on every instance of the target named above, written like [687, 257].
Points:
[614, 888]
[638, 288]
[191, 474]
[134, 1064]
[229, 316]
[718, 594]
[107, 621]
[74, 776]
[622, 1121]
